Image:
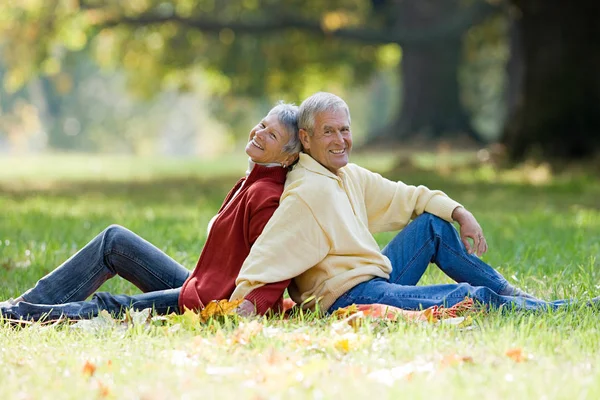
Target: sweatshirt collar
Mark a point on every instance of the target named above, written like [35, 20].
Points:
[277, 173]
[313, 165]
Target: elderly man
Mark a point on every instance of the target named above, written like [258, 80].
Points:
[321, 234]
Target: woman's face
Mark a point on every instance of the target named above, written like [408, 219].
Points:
[266, 141]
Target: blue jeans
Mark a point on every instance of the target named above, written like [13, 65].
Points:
[429, 239]
[115, 251]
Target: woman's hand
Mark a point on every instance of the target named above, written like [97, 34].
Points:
[246, 309]
[470, 228]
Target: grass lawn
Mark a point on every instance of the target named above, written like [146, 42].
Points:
[544, 238]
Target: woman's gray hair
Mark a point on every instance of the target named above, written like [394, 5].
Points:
[318, 103]
[287, 114]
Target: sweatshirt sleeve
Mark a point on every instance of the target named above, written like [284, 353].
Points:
[291, 243]
[391, 205]
[266, 297]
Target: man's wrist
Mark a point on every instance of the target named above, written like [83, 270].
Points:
[459, 214]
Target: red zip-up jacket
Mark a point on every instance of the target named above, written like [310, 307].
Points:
[240, 221]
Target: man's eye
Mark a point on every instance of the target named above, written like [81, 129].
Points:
[262, 126]
[273, 136]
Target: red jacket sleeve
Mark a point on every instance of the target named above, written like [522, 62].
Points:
[269, 296]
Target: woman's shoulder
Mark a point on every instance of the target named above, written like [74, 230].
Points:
[265, 189]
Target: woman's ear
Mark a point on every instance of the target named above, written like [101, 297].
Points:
[290, 159]
[303, 133]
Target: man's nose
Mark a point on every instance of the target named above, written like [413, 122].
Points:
[338, 137]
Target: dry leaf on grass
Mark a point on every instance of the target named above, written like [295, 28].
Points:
[219, 308]
[452, 360]
[246, 331]
[103, 390]
[89, 368]
[516, 354]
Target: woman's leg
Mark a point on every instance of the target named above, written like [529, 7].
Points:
[381, 291]
[115, 251]
[429, 239]
[161, 301]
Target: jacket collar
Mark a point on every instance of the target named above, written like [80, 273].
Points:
[312, 165]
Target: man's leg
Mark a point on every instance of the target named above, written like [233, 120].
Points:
[429, 239]
[381, 291]
[114, 251]
[161, 301]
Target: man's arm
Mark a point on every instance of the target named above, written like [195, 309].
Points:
[291, 243]
[391, 205]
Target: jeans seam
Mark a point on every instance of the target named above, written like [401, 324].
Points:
[406, 267]
[138, 262]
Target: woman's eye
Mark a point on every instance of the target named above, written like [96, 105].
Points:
[273, 136]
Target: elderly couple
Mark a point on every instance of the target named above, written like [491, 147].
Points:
[302, 221]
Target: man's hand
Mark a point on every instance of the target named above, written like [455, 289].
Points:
[469, 228]
[246, 309]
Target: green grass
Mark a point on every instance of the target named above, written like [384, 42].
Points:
[544, 238]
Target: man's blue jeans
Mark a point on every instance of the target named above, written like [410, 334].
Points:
[429, 239]
[115, 251]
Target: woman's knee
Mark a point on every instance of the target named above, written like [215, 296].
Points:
[118, 233]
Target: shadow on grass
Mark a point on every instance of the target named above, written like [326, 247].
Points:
[580, 191]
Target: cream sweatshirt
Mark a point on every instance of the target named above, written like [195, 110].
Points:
[321, 234]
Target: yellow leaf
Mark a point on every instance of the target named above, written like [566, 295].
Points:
[343, 345]
[219, 308]
[346, 311]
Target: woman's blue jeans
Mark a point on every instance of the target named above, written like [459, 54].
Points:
[429, 239]
[115, 251]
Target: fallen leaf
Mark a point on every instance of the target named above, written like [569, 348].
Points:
[218, 308]
[516, 354]
[452, 360]
[89, 368]
[137, 318]
[103, 390]
[246, 331]
[103, 321]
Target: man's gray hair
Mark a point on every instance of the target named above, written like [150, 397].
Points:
[318, 103]
[287, 114]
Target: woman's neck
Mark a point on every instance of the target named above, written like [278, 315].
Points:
[251, 165]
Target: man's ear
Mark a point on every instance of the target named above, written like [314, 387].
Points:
[304, 138]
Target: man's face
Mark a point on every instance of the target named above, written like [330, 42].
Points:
[331, 142]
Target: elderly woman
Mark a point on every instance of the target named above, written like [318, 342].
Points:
[273, 145]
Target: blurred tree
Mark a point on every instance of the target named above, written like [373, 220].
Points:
[431, 102]
[259, 47]
[555, 102]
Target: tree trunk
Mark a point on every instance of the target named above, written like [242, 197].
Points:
[557, 113]
[430, 95]
[430, 92]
